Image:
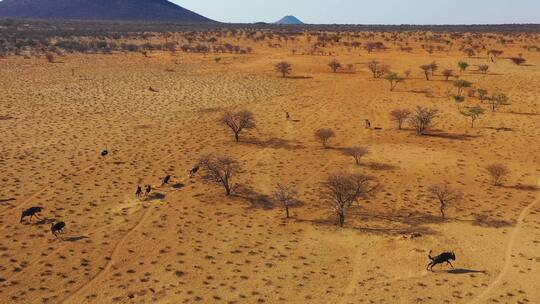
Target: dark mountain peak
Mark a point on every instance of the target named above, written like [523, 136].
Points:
[114, 10]
[289, 20]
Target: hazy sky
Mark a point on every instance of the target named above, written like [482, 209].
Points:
[370, 11]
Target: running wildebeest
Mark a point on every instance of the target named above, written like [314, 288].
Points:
[287, 115]
[193, 171]
[104, 152]
[147, 190]
[57, 227]
[165, 180]
[31, 212]
[138, 192]
[441, 258]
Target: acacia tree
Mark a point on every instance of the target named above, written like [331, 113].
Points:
[426, 68]
[324, 135]
[400, 116]
[220, 169]
[334, 65]
[422, 119]
[448, 73]
[238, 121]
[497, 100]
[433, 67]
[460, 84]
[343, 189]
[393, 79]
[286, 196]
[482, 94]
[498, 172]
[356, 152]
[446, 195]
[284, 68]
[463, 66]
[473, 113]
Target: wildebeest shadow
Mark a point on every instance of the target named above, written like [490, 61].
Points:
[156, 196]
[45, 221]
[75, 238]
[464, 271]
[275, 143]
[178, 186]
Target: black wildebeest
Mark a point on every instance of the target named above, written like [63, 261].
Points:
[444, 257]
[147, 190]
[138, 192]
[105, 152]
[31, 212]
[57, 227]
[193, 171]
[165, 180]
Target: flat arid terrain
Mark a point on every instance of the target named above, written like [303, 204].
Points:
[159, 112]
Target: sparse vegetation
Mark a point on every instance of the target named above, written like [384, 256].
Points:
[498, 173]
[445, 195]
[356, 152]
[238, 122]
[334, 65]
[400, 116]
[324, 135]
[463, 66]
[422, 119]
[284, 68]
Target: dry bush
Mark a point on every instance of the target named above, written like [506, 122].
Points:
[400, 116]
[356, 152]
[220, 169]
[344, 189]
[286, 196]
[446, 195]
[498, 173]
[284, 68]
[393, 79]
[422, 119]
[324, 135]
[238, 121]
[483, 68]
[334, 65]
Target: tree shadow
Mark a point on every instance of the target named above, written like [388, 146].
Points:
[486, 221]
[524, 113]
[5, 200]
[6, 117]
[255, 199]
[464, 271]
[532, 188]
[500, 129]
[275, 143]
[451, 136]
[380, 166]
[299, 77]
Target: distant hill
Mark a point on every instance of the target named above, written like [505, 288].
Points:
[289, 20]
[112, 10]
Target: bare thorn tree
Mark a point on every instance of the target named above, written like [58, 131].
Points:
[286, 196]
[422, 118]
[446, 195]
[324, 135]
[426, 68]
[373, 66]
[400, 116]
[447, 73]
[284, 68]
[498, 173]
[238, 121]
[356, 152]
[483, 68]
[334, 65]
[220, 169]
[343, 189]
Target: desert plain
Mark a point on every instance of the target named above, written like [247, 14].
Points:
[159, 112]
